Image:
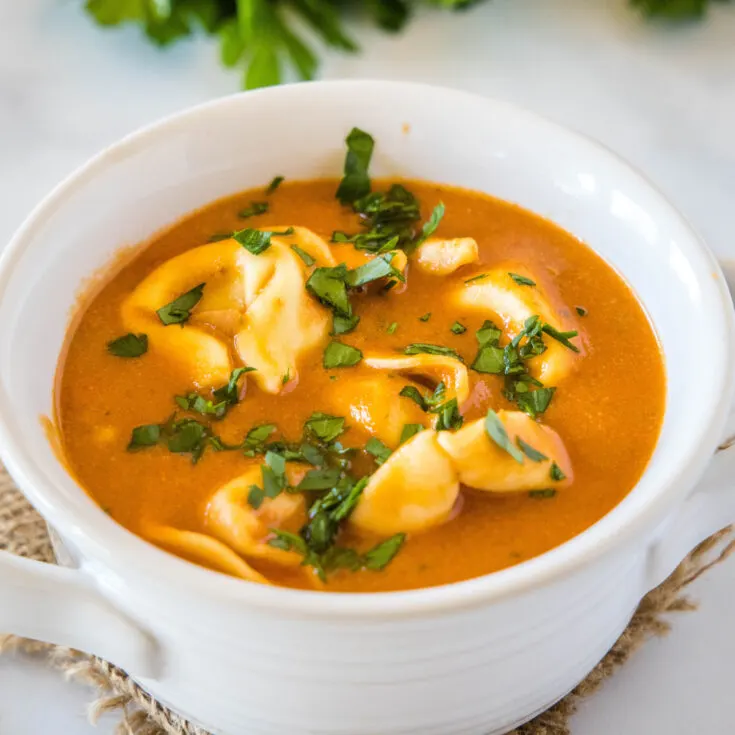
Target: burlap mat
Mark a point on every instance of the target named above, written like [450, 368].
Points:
[22, 531]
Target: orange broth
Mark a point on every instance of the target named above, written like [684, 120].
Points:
[608, 411]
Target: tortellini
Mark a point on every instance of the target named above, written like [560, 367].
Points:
[495, 292]
[373, 403]
[483, 465]
[232, 520]
[437, 368]
[414, 490]
[418, 485]
[256, 305]
[442, 257]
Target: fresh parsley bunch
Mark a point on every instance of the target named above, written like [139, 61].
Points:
[260, 35]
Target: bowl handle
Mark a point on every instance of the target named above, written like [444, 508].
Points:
[63, 606]
[711, 506]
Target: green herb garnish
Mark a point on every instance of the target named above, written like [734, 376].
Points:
[258, 241]
[130, 345]
[325, 427]
[533, 454]
[581, 310]
[496, 431]
[423, 348]
[256, 495]
[320, 479]
[556, 474]
[547, 493]
[409, 430]
[329, 287]
[179, 310]
[356, 181]
[379, 267]
[144, 436]
[254, 209]
[425, 317]
[478, 277]
[256, 438]
[392, 328]
[273, 472]
[522, 280]
[344, 324]
[275, 183]
[380, 451]
[378, 558]
[562, 337]
[308, 260]
[458, 328]
[339, 355]
[490, 356]
[534, 402]
[219, 237]
[448, 416]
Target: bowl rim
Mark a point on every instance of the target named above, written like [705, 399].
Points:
[103, 540]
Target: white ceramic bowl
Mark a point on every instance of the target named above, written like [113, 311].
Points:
[476, 657]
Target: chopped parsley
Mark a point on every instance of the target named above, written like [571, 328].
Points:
[458, 328]
[356, 180]
[562, 337]
[324, 478]
[556, 473]
[496, 431]
[478, 277]
[130, 345]
[448, 416]
[376, 268]
[324, 427]
[329, 286]
[428, 349]
[430, 226]
[344, 324]
[533, 454]
[547, 493]
[256, 495]
[253, 209]
[581, 310]
[275, 183]
[308, 260]
[425, 317]
[339, 355]
[392, 328]
[424, 402]
[179, 310]
[378, 558]
[258, 241]
[522, 280]
[409, 430]
[380, 451]
[144, 436]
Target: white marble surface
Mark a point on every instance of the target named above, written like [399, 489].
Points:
[662, 97]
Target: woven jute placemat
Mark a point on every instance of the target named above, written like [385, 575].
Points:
[23, 531]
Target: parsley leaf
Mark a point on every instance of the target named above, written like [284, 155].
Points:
[256, 438]
[356, 181]
[556, 474]
[254, 209]
[179, 310]
[449, 417]
[320, 479]
[130, 345]
[581, 310]
[324, 427]
[258, 241]
[496, 431]
[423, 348]
[425, 317]
[458, 328]
[379, 450]
[430, 226]
[275, 183]
[533, 454]
[273, 472]
[534, 402]
[478, 277]
[339, 354]
[562, 337]
[343, 324]
[392, 328]
[229, 392]
[308, 260]
[256, 495]
[378, 558]
[329, 287]
[522, 280]
[144, 436]
[379, 267]
[547, 493]
[409, 430]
